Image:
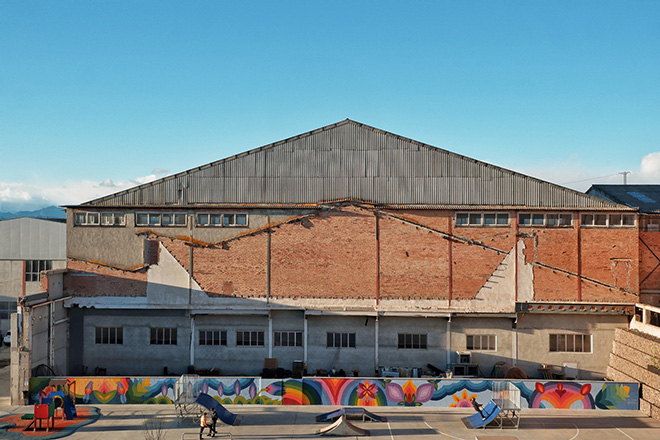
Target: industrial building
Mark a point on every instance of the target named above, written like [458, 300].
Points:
[28, 246]
[352, 249]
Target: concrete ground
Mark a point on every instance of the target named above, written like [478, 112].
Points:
[126, 422]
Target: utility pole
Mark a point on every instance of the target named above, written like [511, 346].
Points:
[625, 175]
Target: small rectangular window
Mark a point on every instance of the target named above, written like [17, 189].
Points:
[166, 219]
[287, 339]
[249, 338]
[340, 340]
[234, 219]
[80, 218]
[538, 219]
[142, 219]
[475, 219]
[600, 220]
[110, 335]
[216, 219]
[163, 336]
[525, 219]
[212, 337]
[489, 219]
[481, 342]
[154, 219]
[482, 219]
[203, 219]
[180, 219]
[461, 219]
[502, 219]
[413, 341]
[34, 267]
[570, 343]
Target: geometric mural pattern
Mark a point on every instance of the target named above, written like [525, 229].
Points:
[443, 393]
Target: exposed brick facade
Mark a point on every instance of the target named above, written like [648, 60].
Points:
[89, 279]
[336, 254]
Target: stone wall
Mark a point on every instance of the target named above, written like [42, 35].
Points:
[636, 357]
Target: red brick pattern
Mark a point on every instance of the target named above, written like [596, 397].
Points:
[89, 279]
[337, 254]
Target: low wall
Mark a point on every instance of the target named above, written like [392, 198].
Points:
[443, 393]
[636, 357]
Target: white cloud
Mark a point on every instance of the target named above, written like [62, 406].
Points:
[649, 171]
[20, 196]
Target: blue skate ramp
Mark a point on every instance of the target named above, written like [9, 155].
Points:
[227, 417]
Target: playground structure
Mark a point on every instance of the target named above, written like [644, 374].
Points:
[57, 397]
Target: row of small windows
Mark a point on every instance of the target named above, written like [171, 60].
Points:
[33, 267]
[546, 220]
[561, 343]
[165, 219]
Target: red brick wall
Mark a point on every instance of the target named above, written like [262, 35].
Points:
[649, 259]
[558, 248]
[474, 264]
[89, 279]
[413, 260]
[334, 254]
[611, 257]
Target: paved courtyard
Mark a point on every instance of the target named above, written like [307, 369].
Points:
[119, 422]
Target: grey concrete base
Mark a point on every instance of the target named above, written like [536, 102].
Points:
[124, 422]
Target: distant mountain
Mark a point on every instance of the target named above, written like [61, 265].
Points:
[49, 212]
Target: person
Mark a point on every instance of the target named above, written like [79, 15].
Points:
[214, 421]
[203, 423]
[477, 407]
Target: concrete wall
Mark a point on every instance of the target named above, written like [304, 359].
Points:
[533, 342]
[102, 243]
[136, 354]
[636, 357]
[389, 355]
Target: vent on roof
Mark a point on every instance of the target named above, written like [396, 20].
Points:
[642, 197]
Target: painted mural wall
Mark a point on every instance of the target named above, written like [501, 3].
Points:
[443, 393]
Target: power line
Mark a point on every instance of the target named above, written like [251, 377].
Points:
[591, 178]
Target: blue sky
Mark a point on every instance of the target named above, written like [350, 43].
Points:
[97, 96]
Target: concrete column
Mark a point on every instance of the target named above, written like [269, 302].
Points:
[270, 334]
[305, 340]
[192, 340]
[448, 342]
[376, 344]
[514, 343]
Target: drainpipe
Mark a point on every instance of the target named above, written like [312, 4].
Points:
[515, 260]
[450, 247]
[579, 257]
[377, 260]
[268, 263]
[191, 340]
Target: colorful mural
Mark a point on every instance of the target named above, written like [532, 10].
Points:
[444, 393]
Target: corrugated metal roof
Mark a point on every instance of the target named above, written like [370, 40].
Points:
[349, 160]
[644, 197]
[27, 238]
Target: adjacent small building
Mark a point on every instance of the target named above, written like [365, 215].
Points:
[28, 246]
[646, 200]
